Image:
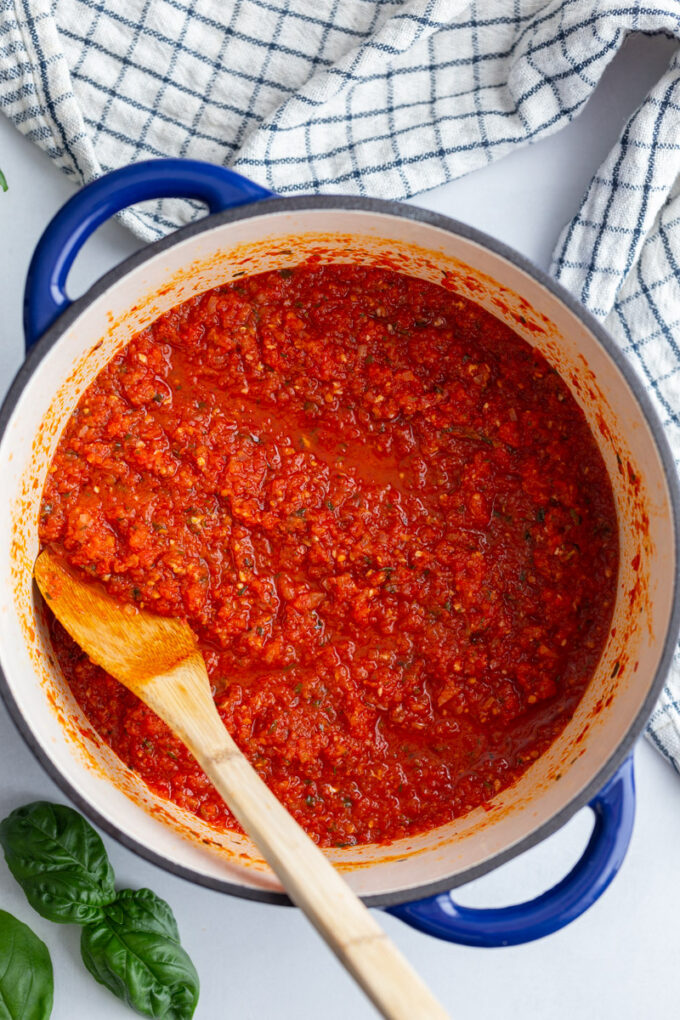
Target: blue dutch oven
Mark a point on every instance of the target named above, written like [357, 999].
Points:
[249, 229]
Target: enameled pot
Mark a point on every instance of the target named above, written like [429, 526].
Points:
[248, 231]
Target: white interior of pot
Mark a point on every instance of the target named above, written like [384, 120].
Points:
[276, 240]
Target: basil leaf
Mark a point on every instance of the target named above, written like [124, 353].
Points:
[3, 182]
[135, 951]
[59, 861]
[26, 980]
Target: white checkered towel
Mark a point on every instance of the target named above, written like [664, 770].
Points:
[375, 98]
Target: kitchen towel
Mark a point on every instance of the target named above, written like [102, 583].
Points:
[375, 97]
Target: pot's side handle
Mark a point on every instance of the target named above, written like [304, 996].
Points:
[614, 809]
[45, 297]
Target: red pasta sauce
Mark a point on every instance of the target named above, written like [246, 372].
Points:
[385, 518]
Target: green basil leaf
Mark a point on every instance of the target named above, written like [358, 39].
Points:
[135, 951]
[59, 861]
[3, 182]
[26, 980]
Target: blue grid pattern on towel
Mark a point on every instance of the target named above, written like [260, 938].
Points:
[375, 98]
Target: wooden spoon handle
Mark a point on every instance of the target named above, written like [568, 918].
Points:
[308, 877]
[319, 890]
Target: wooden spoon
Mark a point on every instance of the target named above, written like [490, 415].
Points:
[158, 659]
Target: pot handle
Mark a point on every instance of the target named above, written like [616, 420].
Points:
[614, 810]
[45, 296]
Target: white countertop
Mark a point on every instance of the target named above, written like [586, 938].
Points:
[257, 962]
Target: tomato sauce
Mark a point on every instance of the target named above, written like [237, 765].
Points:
[385, 518]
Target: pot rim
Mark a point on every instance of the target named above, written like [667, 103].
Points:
[265, 207]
